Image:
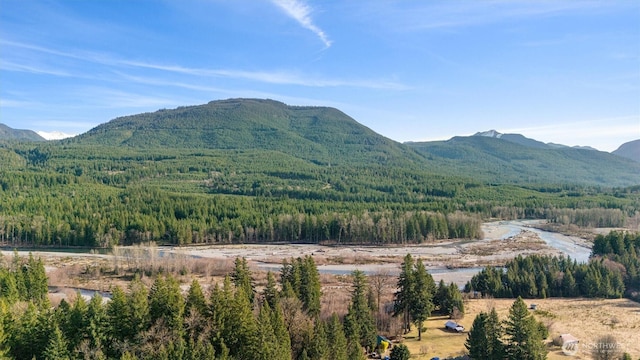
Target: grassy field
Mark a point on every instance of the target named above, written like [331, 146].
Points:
[586, 319]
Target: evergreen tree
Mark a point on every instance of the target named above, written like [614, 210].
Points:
[118, 316]
[494, 331]
[483, 341]
[78, 323]
[241, 278]
[318, 344]
[282, 338]
[523, 338]
[138, 309]
[336, 340]
[420, 303]
[270, 292]
[57, 347]
[404, 294]
[400, 352]
[195, 299]
[359, 317]
[240, 329]
[310, 286]
[166, 303]
[4, 339]
[97, 324]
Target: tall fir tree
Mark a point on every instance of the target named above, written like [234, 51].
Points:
[523, 338]
[57, 347]
[270, 292]
[420, 303]
[241, 278]
[360, 315]
[483, 341]
[195, 299]
[406, 288]
[336, 340]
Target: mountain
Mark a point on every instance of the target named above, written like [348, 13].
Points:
[7, 133]
[629, 150]
[54, 135]
[328, 137]
[514, 138]
[323, 135]
[495, 159]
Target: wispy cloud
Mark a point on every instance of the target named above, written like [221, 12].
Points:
[301, 13]
[458, 14]
[12, 66]
[278, 77]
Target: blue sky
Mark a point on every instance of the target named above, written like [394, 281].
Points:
[557, 71]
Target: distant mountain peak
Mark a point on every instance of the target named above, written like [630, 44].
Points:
[490, 133]
[54, 135]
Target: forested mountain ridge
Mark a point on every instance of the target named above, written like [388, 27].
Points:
[7, 133]
[326, 136]
[320, 134]
[498, 160]
[629, 150]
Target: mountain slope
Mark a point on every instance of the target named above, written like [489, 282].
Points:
[629, 150]
[320, 134]
[498, 160]
[514, 138]
[7, 133]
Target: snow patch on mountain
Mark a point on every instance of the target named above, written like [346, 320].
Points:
[490, 133]
[54, 135]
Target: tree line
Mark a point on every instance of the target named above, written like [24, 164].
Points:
[519, 337]
[611, 272]
[234, 321]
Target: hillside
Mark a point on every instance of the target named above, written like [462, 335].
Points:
[499, 160]
[629, 150]
[7, 133]
[320, 134]
[515, 138]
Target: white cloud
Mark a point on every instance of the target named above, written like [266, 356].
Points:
[301, 13]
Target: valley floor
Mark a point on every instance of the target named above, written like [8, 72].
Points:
[586, 319]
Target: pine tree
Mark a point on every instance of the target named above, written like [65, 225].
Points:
[57, 347]
[78, 324]
[4, 340]
[359, 317]
[420, 303]
[483, 341]
[281, 334]
[138, 309]
[318, 344]
[523, 339]
[494, 336]
[195, 299]
[310, 286]
[241, 278]
[402, 298]
[166, 303]
[476, 342]
[400, 352]
[118, 316]
[336, 340]
[97, 323]
[270, 292]
[240, 328]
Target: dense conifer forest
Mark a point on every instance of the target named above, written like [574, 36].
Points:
[613, 271]
[254, 171]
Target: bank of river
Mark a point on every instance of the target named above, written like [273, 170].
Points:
[451, 260]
